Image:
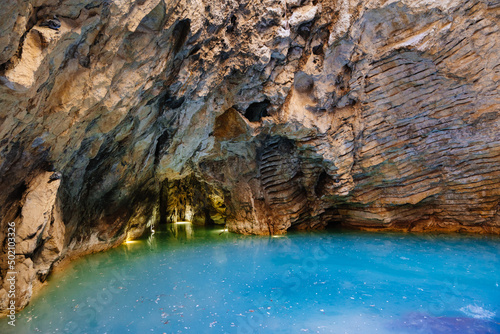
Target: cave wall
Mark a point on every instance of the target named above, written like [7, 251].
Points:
[261, 115]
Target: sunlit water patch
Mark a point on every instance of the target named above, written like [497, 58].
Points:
[199, 280]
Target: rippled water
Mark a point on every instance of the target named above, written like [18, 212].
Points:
[201, 280]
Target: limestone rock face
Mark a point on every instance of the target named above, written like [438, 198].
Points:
[39, 239]
[261, 115]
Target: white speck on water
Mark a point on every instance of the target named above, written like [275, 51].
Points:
[477, 312]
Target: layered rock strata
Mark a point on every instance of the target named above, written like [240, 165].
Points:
[261, 115]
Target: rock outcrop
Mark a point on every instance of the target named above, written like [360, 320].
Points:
[261, 115]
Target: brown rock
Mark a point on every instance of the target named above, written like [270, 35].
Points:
[135, 100]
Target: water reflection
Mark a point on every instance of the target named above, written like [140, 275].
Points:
[152, 241]
[181, 230]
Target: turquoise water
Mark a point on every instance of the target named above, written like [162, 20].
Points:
[202, 280]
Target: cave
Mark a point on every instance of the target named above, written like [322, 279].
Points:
[257, 110]
[234, 167]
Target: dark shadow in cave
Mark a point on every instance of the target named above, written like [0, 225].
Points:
[334, 225]
[257, 110]
[181, 31]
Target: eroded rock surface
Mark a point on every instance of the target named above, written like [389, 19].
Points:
[261, 115]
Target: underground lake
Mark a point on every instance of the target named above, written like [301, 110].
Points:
[187, 279]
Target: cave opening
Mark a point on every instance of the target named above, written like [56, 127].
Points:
[334, 225]
[257, 110]
[191, 200]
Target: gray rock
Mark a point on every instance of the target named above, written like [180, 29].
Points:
[52, 23]
[55, 176]
[303, 82]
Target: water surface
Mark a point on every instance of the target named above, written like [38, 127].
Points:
[205, 280]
